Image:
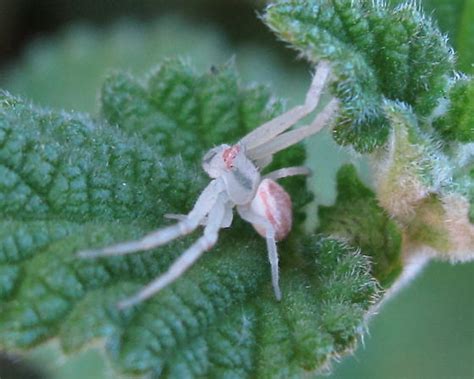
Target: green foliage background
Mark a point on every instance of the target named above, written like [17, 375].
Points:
[425, 332]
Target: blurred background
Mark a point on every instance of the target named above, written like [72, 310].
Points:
[57, 52]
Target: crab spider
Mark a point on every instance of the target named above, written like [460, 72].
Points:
[237, 182]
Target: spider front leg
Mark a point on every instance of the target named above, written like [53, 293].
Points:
[265, 151]
[272, 128]
[287, 171]
[225, 223]
[215, 220]
[203, 205]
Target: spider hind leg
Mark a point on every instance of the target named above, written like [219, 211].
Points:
[258, 221]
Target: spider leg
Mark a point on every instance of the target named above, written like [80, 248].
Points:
[287, 171]
[253, 218]
[203, 205]
[182, 217]
[292, 137]
[272, 128]
[175, 216]
[180, 265]
[225, 223]
[263, 162]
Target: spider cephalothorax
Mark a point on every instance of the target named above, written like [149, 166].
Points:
[237, 183]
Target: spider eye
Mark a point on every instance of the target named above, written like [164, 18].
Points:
[229, 156]
[209, 156]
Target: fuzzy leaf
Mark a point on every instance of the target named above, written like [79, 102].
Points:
[68, 183]
[378, 53]
[462, 158]
[424, 187]
[176, 97]
[458, 121]
[456, 17]
[464, 41]
[357, 217]
[471, 195]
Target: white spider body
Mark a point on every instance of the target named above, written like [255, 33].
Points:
[237, 182]
[240, 176]
[273, 203]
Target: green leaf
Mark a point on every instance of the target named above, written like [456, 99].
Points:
[463, 176]
[377, 52]
[425, 188]
[464, 40]
[427, 227]
[457, 123]
[70, 182]
[412, 165]
[357, 217]
[471, 196]
[456, 17]
[174, 96]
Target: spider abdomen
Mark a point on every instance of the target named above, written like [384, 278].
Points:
[274, 204]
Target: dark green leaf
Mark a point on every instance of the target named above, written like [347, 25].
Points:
[464, 41]
[357, 217]
[69, 182]
[457, 123]
[456, 18]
